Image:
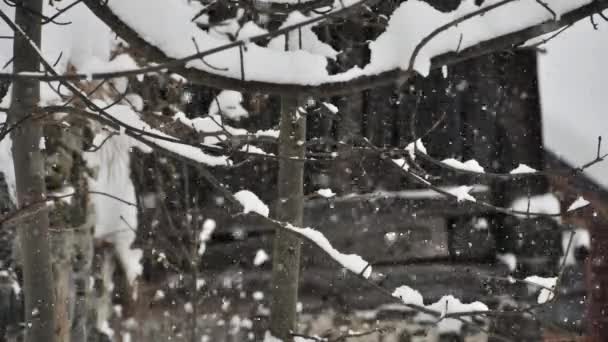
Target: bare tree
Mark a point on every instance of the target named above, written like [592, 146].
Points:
[30, 172]
[286, 260]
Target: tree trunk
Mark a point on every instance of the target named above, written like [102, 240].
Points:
[29, 171]
[286, 254]
[71, 225]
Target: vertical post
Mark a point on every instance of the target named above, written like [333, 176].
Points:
[597, 280]
[31, 187]
[286, 253]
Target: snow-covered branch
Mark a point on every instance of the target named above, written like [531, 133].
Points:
[424, 44]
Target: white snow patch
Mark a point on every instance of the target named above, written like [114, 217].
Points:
[542, 204]
[229, 105]
[251, 203]
[303, 39]
[327, 193]
[411, 148]
[547, 285]
[508, 259]
[331, 107]
[258, 295]
[579, 203]
[260, 257]
[408, 295]
[522, 168]
[462, 193]
[446, 305]
[351, 262]
[470, 165]
[402, 163]
[126, 115]
[251, 149]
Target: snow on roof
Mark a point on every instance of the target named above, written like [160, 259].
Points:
[572, 78]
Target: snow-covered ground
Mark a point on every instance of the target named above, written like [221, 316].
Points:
[573, 78]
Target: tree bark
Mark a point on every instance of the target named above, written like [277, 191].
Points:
[286, 254]
[29, 171]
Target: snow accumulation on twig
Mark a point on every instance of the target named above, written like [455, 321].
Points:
[446, 305]
[522, 168]
[580, 202]
[204, 236]
[251, 203]
[462, 193]
[411, 148]
[469, 165]
[547, 287]
[129, 117]
[351, 262]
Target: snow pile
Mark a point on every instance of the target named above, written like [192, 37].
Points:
[411, 148]
[213, 123]
[541, 204]
[408, 296]
[462, 193]
[446, 305]
[469, 165]
[451, 305]
[351, 262]
[302, 39]
[547, 285]
[580, 202]
[251, 203]
[228, 103]
[522, 168]
[250, 149]
[402, 163]
[327, 193]
[260, 257]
